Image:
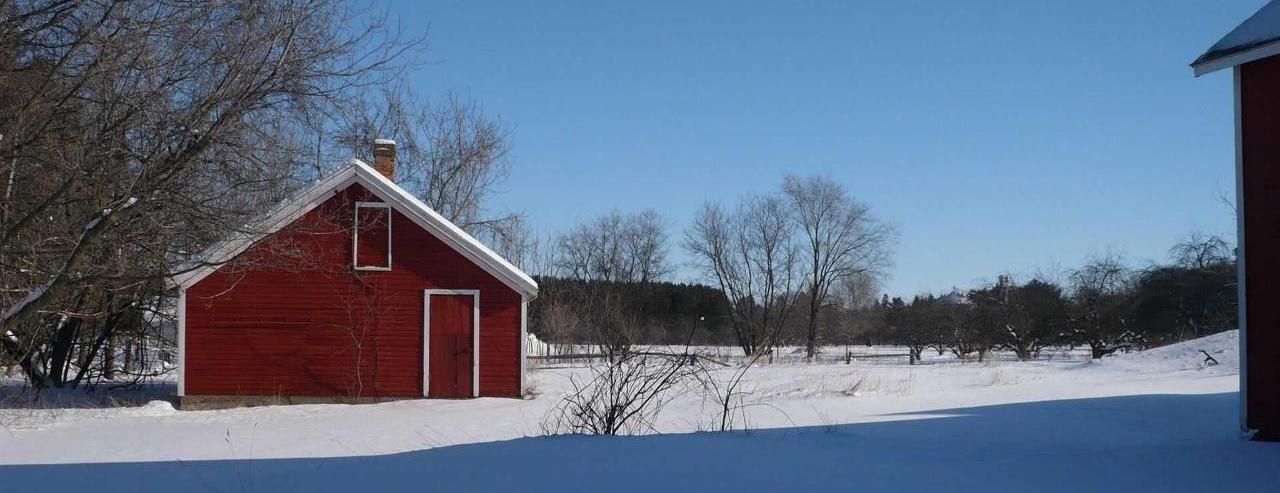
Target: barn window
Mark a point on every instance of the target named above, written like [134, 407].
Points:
[372, 238]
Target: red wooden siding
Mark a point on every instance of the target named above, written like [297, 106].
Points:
[292, 317]
[1260, 153]
[451, 345]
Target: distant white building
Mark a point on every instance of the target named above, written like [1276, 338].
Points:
[535, 347]
[955, 297]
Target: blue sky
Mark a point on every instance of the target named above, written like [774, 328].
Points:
[998, 136]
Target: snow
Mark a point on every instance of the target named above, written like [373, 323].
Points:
[1158, 420]
[14, 309]
[1224, 347]
[104, 213]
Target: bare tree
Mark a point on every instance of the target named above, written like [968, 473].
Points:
[912, 325]
[559, 322]
[851, 297]
[593, 250]
[1023, 318]
[616, 247]
[842, 239]
[857, 290]
[604, 255]
[513, 239]
[450, 154]
[751, 254]
[1201, 251]
[1193, 297]
[135, 133]
[1100, 303]
[645, 244]
[1036, 318]
[537, 253]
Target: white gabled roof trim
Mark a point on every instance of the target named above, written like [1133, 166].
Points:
[417, 211]
[1240, 58]
[1256, 38]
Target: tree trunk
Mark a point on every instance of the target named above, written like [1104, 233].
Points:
[915, 353]
[59, 360]
[815, 305]
[1098, 350]
[109, 359]
[128, 355]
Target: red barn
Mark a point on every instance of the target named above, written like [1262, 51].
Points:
[353, 291]
[1252, 52]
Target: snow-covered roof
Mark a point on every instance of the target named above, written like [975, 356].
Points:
[1256, 38]
[404, 202]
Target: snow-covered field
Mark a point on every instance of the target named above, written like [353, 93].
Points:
[1160, 420]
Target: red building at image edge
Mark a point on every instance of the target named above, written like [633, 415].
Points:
[1252, 52]
[352, 291]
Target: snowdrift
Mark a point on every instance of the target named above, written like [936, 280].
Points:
[1224, 347]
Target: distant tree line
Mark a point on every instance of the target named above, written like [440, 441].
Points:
[657, 312]
[1103, 305]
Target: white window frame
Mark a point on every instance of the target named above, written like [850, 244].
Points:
[475, 337]
[355, 236]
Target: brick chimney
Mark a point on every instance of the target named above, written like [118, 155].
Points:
[384, 158]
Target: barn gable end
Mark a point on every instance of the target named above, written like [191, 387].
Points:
[288, 315]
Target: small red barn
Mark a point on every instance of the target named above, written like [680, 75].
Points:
[354, 290]
[1252, 51]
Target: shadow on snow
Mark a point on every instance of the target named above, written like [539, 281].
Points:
[1131, 443]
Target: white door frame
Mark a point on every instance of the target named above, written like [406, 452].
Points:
[475, 336]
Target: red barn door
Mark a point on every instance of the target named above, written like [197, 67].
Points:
[451, 344]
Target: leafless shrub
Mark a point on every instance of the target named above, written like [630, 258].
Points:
[560, 323]
[727, 395]
[624, 396]
[854, 389]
